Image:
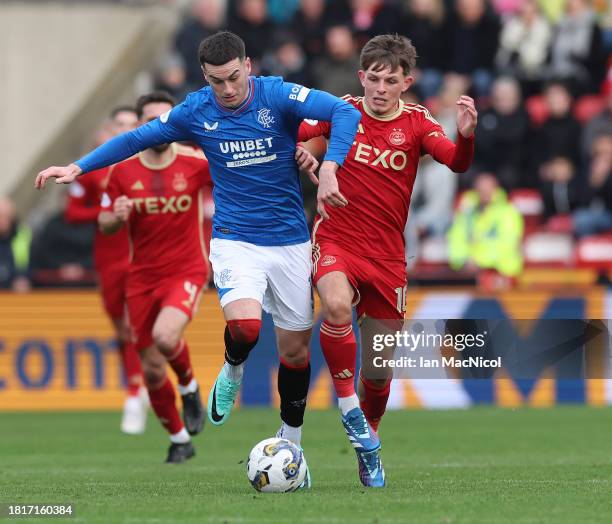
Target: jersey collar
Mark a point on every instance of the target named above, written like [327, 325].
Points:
[391, 116]
[159, 167]
[244, 104]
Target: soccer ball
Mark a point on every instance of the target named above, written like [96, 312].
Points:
[276, 465]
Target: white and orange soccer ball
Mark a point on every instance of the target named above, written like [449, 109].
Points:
[276, 465]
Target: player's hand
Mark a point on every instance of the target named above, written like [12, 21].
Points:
[122, 208]
[308, 163]
[467, 116]
[63, 175]
[328, 191]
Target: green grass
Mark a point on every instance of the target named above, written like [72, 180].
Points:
[484, 465]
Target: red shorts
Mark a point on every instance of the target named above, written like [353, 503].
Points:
[380, 285]
[112, 287]
[143, 308]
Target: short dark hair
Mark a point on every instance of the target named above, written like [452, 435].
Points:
[152, 98]
[221, 48]
[122, 109]
[390, 51]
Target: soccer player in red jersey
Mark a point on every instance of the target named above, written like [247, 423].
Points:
[158, 195]
[111, 263]
[358, 253]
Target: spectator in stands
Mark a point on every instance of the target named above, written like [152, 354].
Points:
[61, 253]
[596, 214]
[559, 187]
[14, 249]
[205, 18]
[577, 53]
[336, 72]
[501, 139]
[425, 24]
[435, 186]
[170, 75]
[560, 133]
[473, 36]
[601, 124]
[374, 17]
[251, 22]
[487, 230]
[311, 21]
[287, 60]
[524, 45]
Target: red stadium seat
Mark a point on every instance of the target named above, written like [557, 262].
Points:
[434, 251]
[548, 249]
[587, 107]
[529, 203]
[560, 224]
[595, 252]
[537, 109]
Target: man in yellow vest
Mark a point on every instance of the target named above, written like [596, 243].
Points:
[487, 230]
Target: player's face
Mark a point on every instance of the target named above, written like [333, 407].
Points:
[151, 112]
[124, 121]
[383, 88]
[230, 81]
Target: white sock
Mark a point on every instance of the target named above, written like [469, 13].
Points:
[234, 372]
[347, 403]
[182, 437]
[189, 388]
[291, 433]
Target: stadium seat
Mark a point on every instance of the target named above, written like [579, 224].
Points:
[595, 252]
[434, 251]
[587, 107]
[548, 249]
[536, 109]
[529, 204]
[560, 224]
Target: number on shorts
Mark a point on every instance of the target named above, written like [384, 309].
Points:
[192, 291]
[401, 299]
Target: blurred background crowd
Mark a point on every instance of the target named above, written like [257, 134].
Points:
[539, 193]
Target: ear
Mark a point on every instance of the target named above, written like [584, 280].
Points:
[247, 65]
[362, 76]
[408, 81]
[204, 72]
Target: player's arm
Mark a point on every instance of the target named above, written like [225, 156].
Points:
[170, 127]
[81, 208]
[457, 156]
[306, 103]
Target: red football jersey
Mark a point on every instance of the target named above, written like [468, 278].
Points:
[165, 225]
[84, 197]
[378, 175]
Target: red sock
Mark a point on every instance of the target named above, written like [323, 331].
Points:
[340, 351]
[374, 402]
[181, 363]
[131, 367]
[163, 402]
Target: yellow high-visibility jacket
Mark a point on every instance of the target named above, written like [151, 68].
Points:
[490, 236]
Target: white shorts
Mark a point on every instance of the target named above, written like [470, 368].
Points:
[278, 277]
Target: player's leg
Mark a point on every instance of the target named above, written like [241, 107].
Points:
[383, 307]
[241, 284]
[337, 287]
[135, 407]
[143, 309]
[163, 402]
[112, 289]
[179, 301]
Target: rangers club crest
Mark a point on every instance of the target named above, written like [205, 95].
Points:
[397, 137]
[328, 260]
[179, 183]
[265, 118]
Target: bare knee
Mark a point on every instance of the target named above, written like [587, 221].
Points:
[293, 348]
[165, 339]
[338, 309]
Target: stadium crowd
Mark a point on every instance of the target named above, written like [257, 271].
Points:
[540, 71]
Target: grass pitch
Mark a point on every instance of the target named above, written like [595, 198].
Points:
[484, 465]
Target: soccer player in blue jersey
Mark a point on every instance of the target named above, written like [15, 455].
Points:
[260, 251]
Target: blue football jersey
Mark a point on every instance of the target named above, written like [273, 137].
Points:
[251, 153]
